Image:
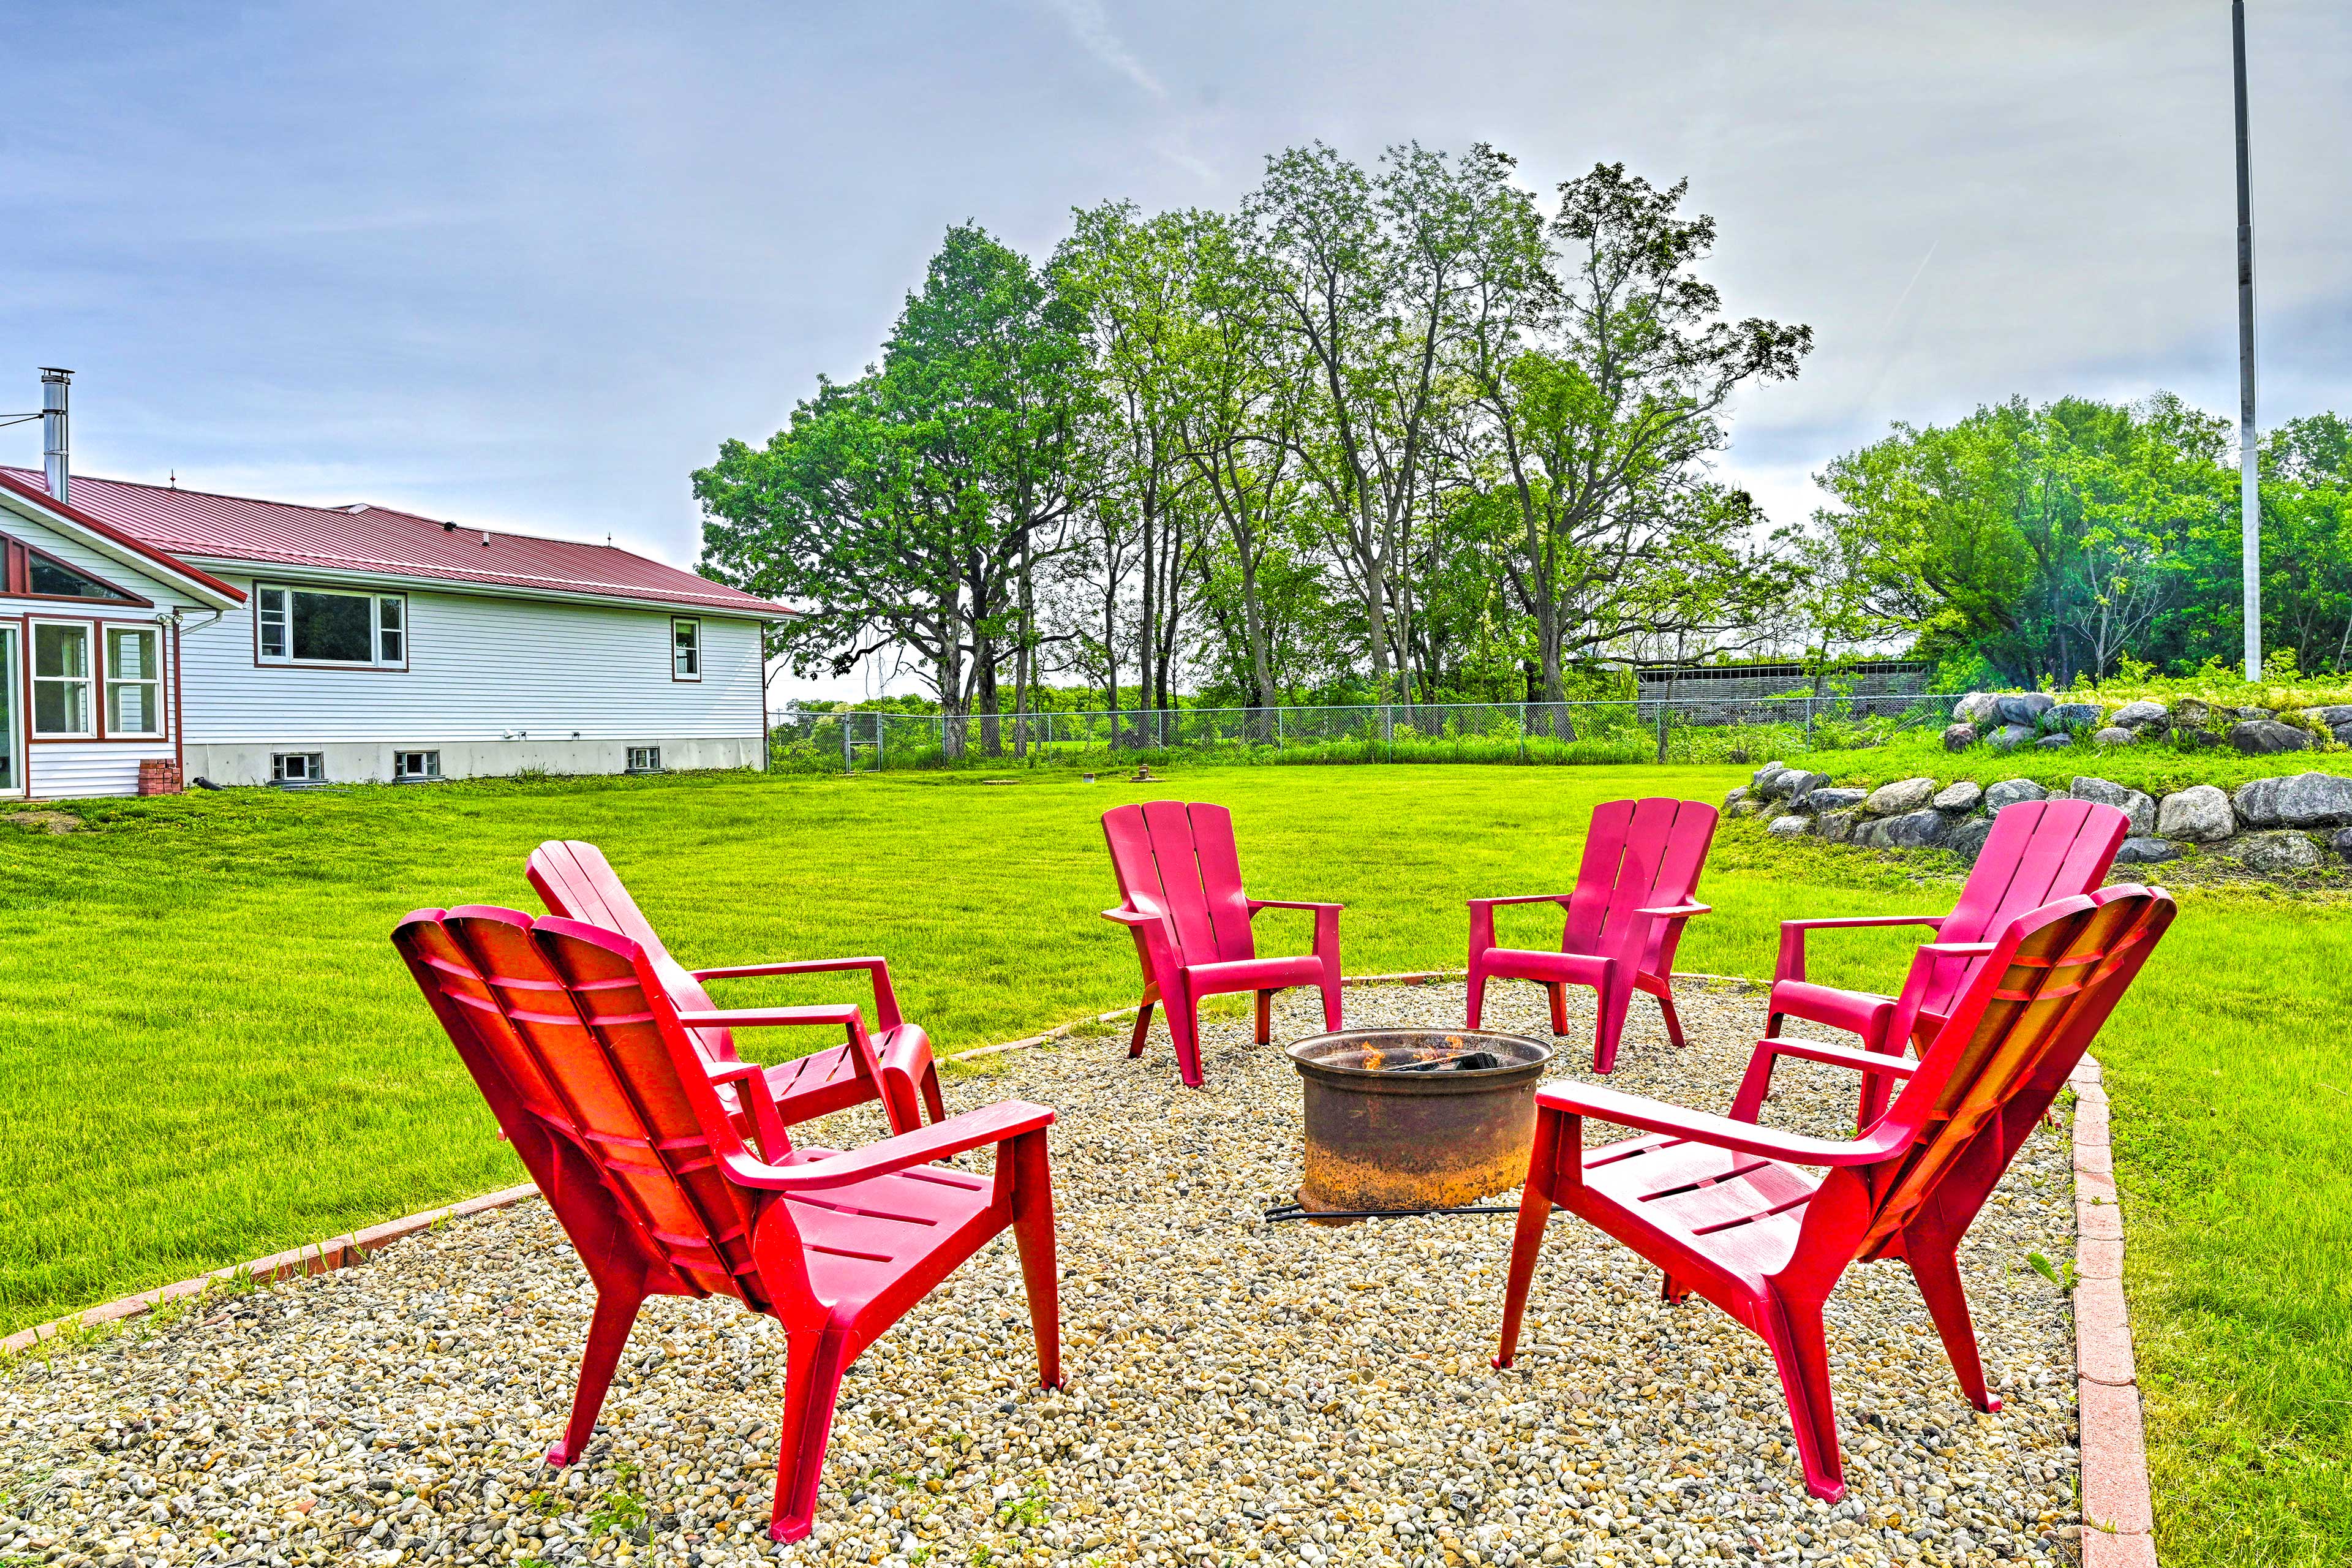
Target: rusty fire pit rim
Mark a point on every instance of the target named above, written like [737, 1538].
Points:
[1541, 1059]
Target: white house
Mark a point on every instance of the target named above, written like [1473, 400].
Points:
[252, 642]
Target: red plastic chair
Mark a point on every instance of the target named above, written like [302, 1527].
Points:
[1641, 860]
[570, 1033]
[2039, 851]
[893, 1064]
[1180, 879]
[1725, 1208]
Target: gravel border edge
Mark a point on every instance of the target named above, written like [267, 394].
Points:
[2118, 1512]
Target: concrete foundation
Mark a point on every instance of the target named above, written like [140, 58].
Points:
[371, 763]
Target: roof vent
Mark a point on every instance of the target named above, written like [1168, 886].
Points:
[485, 539]
[448, 528]
[356, 508]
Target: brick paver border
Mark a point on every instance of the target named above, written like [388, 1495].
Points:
[2118, 1515]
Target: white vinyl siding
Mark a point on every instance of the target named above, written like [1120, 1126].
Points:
[480, 670]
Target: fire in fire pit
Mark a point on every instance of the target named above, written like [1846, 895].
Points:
[1406, 1120]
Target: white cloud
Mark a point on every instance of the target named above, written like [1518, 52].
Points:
[1092, 29]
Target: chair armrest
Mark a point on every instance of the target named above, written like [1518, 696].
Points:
[1522, 899]
[1718, 1131]
[1326, 926]
[834, 1013]
[1837, 1055]
[957, 1134]
[1791, 965]
[752, 1081]
[886, 1001]
[1678, 911]
[1957, 949]
[1257, 904]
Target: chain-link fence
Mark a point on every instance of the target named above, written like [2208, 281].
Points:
[1727, 728]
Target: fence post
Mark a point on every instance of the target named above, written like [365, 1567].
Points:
[845, 743]
[1662, 731]
[1809, 724]
[1523, 732]
[881, 724]
[1277, 729]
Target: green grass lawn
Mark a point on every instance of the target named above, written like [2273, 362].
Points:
[210, 1052]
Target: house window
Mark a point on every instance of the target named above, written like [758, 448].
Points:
[645, 759]
[415, 767]
[685, 650]
[327, 627]
[55, 579]
[298, 768]
[61, 681]
[134, 681]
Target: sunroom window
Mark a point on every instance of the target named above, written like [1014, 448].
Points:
[134, 681]
[330, 627]
[61, 680]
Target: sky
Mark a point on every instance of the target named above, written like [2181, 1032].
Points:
[527, 265]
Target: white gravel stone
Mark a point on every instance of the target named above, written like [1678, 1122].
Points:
[1240, 1391]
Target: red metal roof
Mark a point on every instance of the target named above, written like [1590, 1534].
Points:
[380, 540]
[36, 485]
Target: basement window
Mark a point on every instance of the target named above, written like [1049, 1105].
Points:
[645, 759]
[298, 768]
[415, 767]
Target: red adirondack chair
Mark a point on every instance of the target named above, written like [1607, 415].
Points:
[1723, 1206]
[893, 1064]
[570, 1032]
[2039, 851]
[1180, 879]
[1641, 860]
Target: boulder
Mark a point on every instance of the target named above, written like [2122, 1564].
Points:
[2026, 706]
[2332, 716]
[2250, 715]
[1839, 827]
[2191, 714]
[2107, 792]
[1825, 798]
[2198, 740]
[2277, 853]
[2302, 800]
[2113, 736]
[1904, 794]
[2343, 734]
[1912, 830]
[2072, 715]
[1788, 826]
[2054, 743]
[2341, 842]
[1960, 737]
[1967, 837]
[2200, 814]
[1737, 795]
[2009, 737]
[2140, 716]
[1755, 780]
[2009, 792]
[1798, 785]
[1977, 707]
[2140, 851]
[1958, 798]
[2266, 737]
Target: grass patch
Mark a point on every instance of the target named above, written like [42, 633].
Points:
[213, 1053]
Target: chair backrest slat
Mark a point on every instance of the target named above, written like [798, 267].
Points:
[1179, 860]
[2038, 852]
[1638, 855]
[578, 883]
[574, 1023]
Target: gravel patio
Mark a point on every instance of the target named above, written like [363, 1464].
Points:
[1239, 1392]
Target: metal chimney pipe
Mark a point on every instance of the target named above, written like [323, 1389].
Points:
[53, 426]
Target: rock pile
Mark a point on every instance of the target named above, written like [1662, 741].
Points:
[2007, 721]
[2272, 826]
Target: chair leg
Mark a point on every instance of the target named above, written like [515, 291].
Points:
[1674, 1019]
[1264, 1017]
[608, 1332]
[1672, 1290]
[1526, 1237]
[1938, 1274]
[1477, 998]
[1143, 1030]
[932, 1101]
[1609, 1022]
[1772, 1026]
[814, 1361]
[1330, 989]
[1793, 1329]
[1033, 1234]
[1184, 1026]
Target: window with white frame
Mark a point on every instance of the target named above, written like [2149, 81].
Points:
[134, 681]
[330, 627]
[685, 648]
[61, 681]
[415, 767]
[645, 759]
[298, 767]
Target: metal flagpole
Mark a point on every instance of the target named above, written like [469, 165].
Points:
[2250, 503]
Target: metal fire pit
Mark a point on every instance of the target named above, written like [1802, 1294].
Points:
[1408, 1120]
